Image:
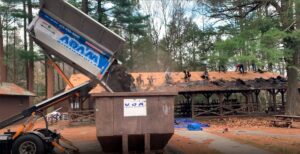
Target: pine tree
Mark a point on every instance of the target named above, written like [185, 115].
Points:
[130, 22]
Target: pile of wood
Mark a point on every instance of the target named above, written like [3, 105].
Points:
[233, 122]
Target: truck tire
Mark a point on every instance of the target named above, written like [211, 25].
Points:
[28, 144]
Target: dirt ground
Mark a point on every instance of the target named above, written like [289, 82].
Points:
[257, 132]
[254, 132]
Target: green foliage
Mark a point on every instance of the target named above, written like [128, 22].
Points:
[128, 17]
[259, 42]
[124, 18]
[75, 3]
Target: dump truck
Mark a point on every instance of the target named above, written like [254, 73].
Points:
[66, 33]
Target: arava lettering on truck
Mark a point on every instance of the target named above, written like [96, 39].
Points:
[71, 45]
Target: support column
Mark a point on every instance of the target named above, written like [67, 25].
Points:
[251, 102]
[272, 99]
[125, 144]
[227, 95]
[247, 101]
[188, 97]
[282, 92]
[221, 101]
[256, 92]
[192, 106]
[147, 143]
[207, 96]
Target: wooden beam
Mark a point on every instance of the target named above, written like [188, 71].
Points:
[221, 101]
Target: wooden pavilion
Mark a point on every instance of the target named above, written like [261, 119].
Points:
[218, 93]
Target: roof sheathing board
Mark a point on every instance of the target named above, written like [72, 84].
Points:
[197, 84]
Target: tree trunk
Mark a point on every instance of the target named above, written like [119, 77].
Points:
[99, 10]
[49, 74]
[293, 102]
[49, 79]
[3, 72]
[85, 6]
[25, 25]
[131, 63]
[30, 66]
[14, 59]
[25, 39]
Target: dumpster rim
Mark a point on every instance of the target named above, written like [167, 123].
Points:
[133, 94]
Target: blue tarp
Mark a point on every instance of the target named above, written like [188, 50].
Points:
[194, 126]
[189, 123]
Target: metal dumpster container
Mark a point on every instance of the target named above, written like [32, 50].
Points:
[134, 121]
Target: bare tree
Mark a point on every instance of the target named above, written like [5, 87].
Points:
[3, 72]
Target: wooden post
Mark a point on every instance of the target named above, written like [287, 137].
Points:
[247, 101]
[221, 100]
[227, 95]
[188, 97]
[256, 92]
[251, 102]
[282, 91]
[274, 99]
[207, 96]
[273, 94]
[192, 106]
[125, 144]
[147, 143]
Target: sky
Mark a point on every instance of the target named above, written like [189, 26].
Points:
[155, 9]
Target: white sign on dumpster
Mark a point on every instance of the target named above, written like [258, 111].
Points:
[135, 107]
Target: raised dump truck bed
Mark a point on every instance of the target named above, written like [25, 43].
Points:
[68, 34]
[77, 39]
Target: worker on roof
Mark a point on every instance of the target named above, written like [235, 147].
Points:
[187, 75]
[205, 75]
[139, 80]
[168, 77]
[240, 67]
[150, 80]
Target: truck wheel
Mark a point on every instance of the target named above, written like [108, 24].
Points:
[28, 144]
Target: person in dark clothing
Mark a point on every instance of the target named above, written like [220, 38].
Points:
[187, 75]
[139, 80]
[254, 68]
[150, 80]
[205, 75]
[240, 67]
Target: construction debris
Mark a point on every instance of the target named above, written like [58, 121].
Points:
[119, 80]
